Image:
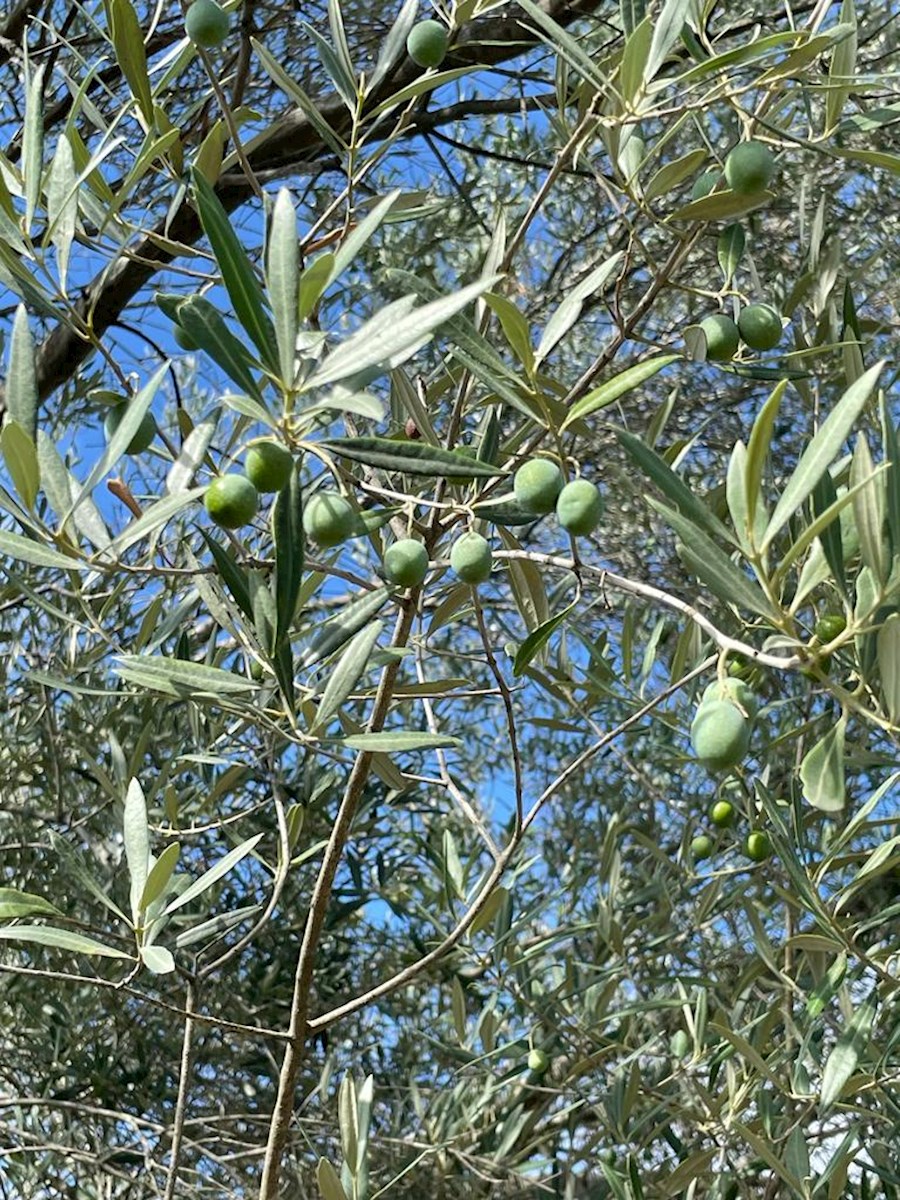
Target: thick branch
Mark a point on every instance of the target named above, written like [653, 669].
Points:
[292, 144]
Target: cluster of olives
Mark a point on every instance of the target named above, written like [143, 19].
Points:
[232, 500]
[756, 844]
[538, 486]
[720, 736]
[748, 170]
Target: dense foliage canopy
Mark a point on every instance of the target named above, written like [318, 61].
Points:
[344, 858]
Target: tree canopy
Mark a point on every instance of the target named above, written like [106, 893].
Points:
[449, 574]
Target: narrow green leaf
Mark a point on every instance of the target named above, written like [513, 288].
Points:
[634, 61]
[233, 576]
[892, 482]
[62, 939]
[159, 876]
[671, 485]
[413, 458]
[822, 770]
[730, 251]
[822, 450]
[537, 640]
[824, 498]
[23, 549]
[75, 868]
[342, 78]
[21, 377]
[722, 206]
[666, 32]
[505, 511]
[238, 275]
[212, 929]
[670, 175]
[492, 905]
[868, 509]
[61, 488]
[329, 1183]
[312, 283]
[568, 312]
[176, 677]
[339, 39]
[62, 206]
[612, 389]
[348, 1123]
[181, 474]
[842, 69]
[527, 585]
[819, 526]
[758, 447]
[339, 630]
[128, 42]
[393, 48]
[736, 493]
[281, 78]
[205, 325]
[21, 460]
[287, 528]
[388, 742]
[763, 1150]
[136, 836]
[33, 144]
[282, 282]
[347, 672]
[15, 904]
[213, 875]
[713, 567]
[845, 1054]
[889, 665]
[515, 328]
[392, 336]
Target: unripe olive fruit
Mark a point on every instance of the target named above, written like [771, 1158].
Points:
[268, 466]
[328, 519]
[735, 690]
[758, 847]
[427, 43]
[679, 1044]
[722, 814]
[143, 435]
[231, 501]
[579, 507]
[705, 183]
[206, 24]
[406, 563]
[538, 1061]
[537, 484]
[720, 734]
[829, 626]
[722, 337]
[184, 339]
[470, 558]
[749, 167]
[701, 847]
[760, 326]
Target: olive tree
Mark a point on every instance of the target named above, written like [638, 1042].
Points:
[451, 554]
